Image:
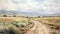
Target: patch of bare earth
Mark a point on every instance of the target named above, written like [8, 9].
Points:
[38, 29]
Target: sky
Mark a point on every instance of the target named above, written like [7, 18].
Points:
[39, 6]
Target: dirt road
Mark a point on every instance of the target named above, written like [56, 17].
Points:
[38, 28]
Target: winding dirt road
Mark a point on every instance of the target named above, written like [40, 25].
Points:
[38, 28]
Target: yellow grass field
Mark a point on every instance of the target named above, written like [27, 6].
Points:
[49, 25]
[13, 19]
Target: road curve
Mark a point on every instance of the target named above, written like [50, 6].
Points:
[38, 28]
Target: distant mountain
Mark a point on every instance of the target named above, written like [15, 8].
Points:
[19, 13]
[56, 14]
[27, 13]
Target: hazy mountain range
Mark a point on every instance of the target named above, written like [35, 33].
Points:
[26, 13]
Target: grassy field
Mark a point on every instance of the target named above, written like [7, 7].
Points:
[16, 24]
[13, 19]
[49, 20]
[52, 22]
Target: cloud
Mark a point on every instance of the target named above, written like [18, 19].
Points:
[19, 1]
[32, 5]
[1, 4]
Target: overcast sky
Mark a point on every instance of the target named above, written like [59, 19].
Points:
[41, 6]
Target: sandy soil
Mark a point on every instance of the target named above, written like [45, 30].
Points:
[38, 29]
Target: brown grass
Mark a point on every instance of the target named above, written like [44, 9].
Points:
[37, 29]
[6, 19]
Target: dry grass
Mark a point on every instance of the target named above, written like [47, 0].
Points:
[37, 28]
[6, 19]
[52, 22]
[49, 20]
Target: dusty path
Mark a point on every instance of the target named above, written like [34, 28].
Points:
[39, 28]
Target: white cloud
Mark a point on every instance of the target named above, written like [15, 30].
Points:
[1, 4]
[32, 5]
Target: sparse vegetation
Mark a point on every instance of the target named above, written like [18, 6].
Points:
[19, 25]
